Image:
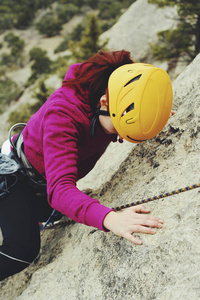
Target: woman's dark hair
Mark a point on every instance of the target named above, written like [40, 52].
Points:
[93, 74]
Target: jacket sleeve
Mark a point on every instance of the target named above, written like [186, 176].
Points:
[60, 140]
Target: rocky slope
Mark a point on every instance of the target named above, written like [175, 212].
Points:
[79, 263]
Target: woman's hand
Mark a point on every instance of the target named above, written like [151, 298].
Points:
[132, 220]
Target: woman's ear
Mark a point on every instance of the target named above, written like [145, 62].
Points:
[104, 102]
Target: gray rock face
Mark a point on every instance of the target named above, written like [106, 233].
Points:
[79, 263]
[137, 28]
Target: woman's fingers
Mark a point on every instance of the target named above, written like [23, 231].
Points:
[132, 239]
[140, 208]
[151, 222]
[142, 229]
[138, 229]
[146, 220]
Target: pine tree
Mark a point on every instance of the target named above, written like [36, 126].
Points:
[185, 39]
[89, 44]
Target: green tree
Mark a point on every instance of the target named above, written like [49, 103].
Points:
[15, 43]
[75, 35]
[49, 25]
[25, 111]
[61, 65]
[42, 94]
[109, 9]
[9, 90]
[66, 12]
[185, 39]
[6, 17]
[89, 43]
[20, 13]
[41, 63]
[7, 60]
[16, 46]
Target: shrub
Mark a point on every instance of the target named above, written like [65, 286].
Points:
[49, 25]
[75, 35]
[109, 10]
[107, 25]
[6, 18]
[173, 43]
[41, 63]
[25, 111]
[16, 46]
[9, 91]
[7, 60]
[61, 66]
[42, 93]
[15, 43]
[89, 43]
[67, 12]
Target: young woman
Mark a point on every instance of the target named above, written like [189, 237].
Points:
[106, 97]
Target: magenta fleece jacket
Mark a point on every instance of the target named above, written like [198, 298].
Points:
[57, 143]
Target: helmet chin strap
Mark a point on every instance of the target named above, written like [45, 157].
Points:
[98, 113]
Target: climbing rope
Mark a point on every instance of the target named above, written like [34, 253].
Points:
[117, 208]
[188, 188]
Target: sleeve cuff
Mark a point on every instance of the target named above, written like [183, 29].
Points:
[95, 215]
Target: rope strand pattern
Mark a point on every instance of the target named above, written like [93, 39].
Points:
[158, 196]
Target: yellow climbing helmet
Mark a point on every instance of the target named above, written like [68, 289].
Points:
[140, 101]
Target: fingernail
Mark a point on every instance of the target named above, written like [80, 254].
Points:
[160, 221]
[160, 225]
[153, 231]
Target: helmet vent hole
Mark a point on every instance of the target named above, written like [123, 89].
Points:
[133, 79]
[129, 108]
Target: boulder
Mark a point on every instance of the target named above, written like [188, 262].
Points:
[137, 28]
